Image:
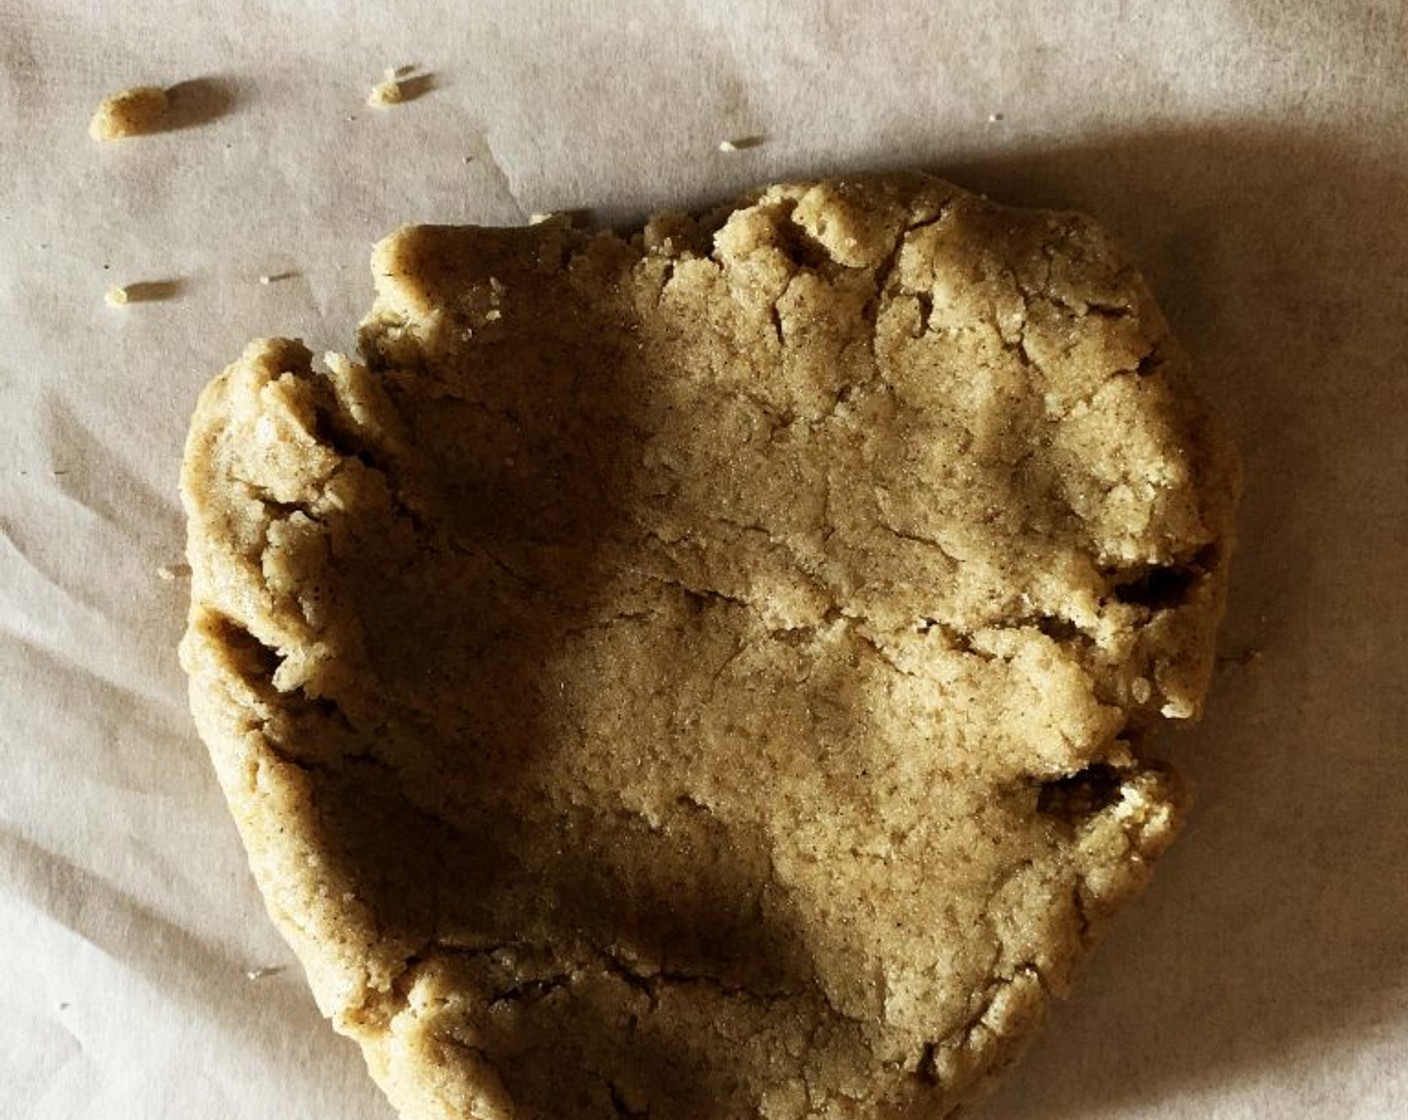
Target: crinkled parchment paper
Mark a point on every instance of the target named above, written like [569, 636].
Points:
[1253, 156]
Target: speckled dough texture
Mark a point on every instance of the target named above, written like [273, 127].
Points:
[707, 674]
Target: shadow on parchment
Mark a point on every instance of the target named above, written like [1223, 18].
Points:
[198, 102]
[1275, 930]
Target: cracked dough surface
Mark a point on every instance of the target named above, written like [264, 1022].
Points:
[706, 673]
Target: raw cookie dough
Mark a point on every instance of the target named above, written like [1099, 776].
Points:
[707, 674]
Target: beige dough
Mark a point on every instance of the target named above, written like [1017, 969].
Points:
[709, 673]
[132, 112]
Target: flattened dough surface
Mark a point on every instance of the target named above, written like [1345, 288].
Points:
[706, 674]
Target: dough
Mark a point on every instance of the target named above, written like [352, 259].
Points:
[708, 674]
[131, 112]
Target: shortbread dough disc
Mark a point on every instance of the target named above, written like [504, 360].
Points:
[708, 673]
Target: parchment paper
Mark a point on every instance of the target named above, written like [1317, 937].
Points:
[1252, 155]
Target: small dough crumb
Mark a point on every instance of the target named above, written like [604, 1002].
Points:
[132, 112]
[385, 93]
[396, 86]
[172, 572]
[142, 291]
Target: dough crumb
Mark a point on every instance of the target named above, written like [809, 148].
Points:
[132, 112]
[387, 92]
[740, 143]
[172, 572]
[263, 972]
[274, 277]
[570, 217]
[143, 291]
[398, 84]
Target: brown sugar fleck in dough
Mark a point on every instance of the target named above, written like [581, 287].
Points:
[717, 685]
[132, 112]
